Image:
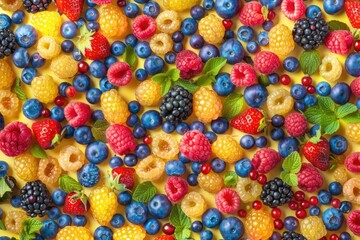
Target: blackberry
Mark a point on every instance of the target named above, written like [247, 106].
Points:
[7, 43]
[176, 105]
[35, 199]
[310, 33]
[276, 193]
[292, 236]
[34, 6]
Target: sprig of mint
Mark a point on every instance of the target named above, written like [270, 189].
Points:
[17, 89]
[291, 166]
[356, 34]
[58, 137]
[4, 188]
[129, 55]
[144, 192]
[210, 70]
[265, 12]
[68, 184]
[188, 85]
[232, 105]
[310, 61]
[98, 130]
[231, 179]
[37, 151]
[2, 226]
[167, 79]
[30, 227]
[337, 25]
[181, 222]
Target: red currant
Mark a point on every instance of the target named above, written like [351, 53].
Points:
[313, 200]
[121, 3]
[278, 224]
[257, 205]
[262, 179]
[70, 91]
[285, 79]
[276, 213]
[205, 168]
[83, 67]
[168, 229]
[334, 237]
[271, 15]
[301, 213]
[147, 140]
[299, 195]
[227, 23]
[357, 46]
[293, 205]
[242, 213]
[306, 81]
[253, 174]
[310, 89]
[60, 101]
[45, 113]
[335, 202]
[323, 238]
[304, 204]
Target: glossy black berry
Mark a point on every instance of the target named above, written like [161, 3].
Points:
[276, 193]
[7, 43]
[34, 6]
[35, 199]
[292, 236]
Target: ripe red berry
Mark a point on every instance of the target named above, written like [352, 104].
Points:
[293, 205]
[227, 23]
[310, 89]
[299, 195]
[60, 101]
[276, 213]
[168, 229]
[306, 81]
[301, 213]
[242, 213]
[285, 79]
[357, 46]
[278, 224]
[335, 202]
[121, 3]
[205, 168]
[313, 200]
[253, 175]
[70, 91]
[45, 113]
[334, 237]
[323, 238]
[257, 205]
[147, 140]
[83, 67]
[262, 179]
[271, 15]
[304, 204]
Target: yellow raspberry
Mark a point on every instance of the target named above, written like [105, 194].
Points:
[193, 204]
[340, 174]
[14, 219]
[150, 168]
[312, 228]
[259, 224]
[168, 21]
[352, 132]
[279, 102]
[248, 190]
[113, 22]
[148, 93]
[103, 204]
[330, 68]
[74, 233]
[71, 158]
[207, 105]
[9, 103]
[212, 29]
[281, 41]
[211, 182]
[165, 146]
[130, 232]
[44, 88]
[47, 23]
[114, 107]
[64, 66]
[179, 5]
[227, 149]
[10, 5]
[26, 167]
[48, 47]
[351, 190]
[49, 170]
[7, 76]
[161, 43]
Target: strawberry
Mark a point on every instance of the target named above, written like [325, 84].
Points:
[94, 46]
[71, 8]
[252, 121]
[76, 203]
[317, 152]
[46, 131]
[352, 9]
[125, 175]
[165, 237]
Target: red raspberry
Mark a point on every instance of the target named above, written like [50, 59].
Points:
[353, 222]
[265, 160]
[266, 62]
[176, 188]
[339, 41]
[355, 87]
[352, 162]
[227, 201]
[195, 146]
[309, 178]
[77, 113]
[119, 74]
[144, 27]
[189, 64]
[243, 75]
[296, 124]
[251, 14]
[120, 139]
[293, 9]
[15, 139]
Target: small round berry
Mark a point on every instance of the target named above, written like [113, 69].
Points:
[168, 229]
[314, 211]
[306, 81]
[262, 179]
[278, 224]
[83, 67]
[301, 213]
[253, 175]
[313, 200]
[242, 213]
[304, 204]
[285, 79]
[205, 168]
[299, 195]
[335, 202]
[256, 205]
[293, 205]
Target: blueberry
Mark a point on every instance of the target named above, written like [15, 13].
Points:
[338, 144]
[232, 50]
[142, 49]
[136, 213]
[245, 33]
[21, 57]
[196, 226]
[36, 60]
[211, 218]
[15, 201]
[91, 14]
[195, 167]
[93, 95]
[131, 10]
[110, 60]
[97, 115]
[341, 92]
[170, 57]
[314, 11]
[152, 226]
[182, 128]
[67, 46]
[273, 78]
[252, 47]
[220, 125]
[189, 26]
[151, 9]
[183, 158]
[79, 220]
[197, 125]
[159, 206]
[132, 120]
[227, 8]
[105, 85]
[270, 4]
[142, 150]
[168, 127]
[208, 4]
[54, 213]
[263, 38]
[268, 25]
[49, 229]
[345, 206]
[277, 134]
[333, 219]
[196, 41]
[130, 160]
[298, 91]
[139, 132]
[314, 211]
[2, 122]
[310, 100]
[208, 51]
[57, 113]
[69, 29]
[5, 21]
[90, 3]
[299, 105]
[218, 165]
[247, 141]
[25, 35]
[291, 64]
[177, 36]
[288, 145]
[192, 179]
[124, 198]
[154, 64]
[255, 95]
[151, 119]
[117, 48]
[345, 236]
[175, 168]
[18, 17]
[64, 220]
[352, 64]
[115, 162]
[117, 221]
[357, 103]
[93, 26]
[178, 47]
[211, 136]
[277, 120]
[103, 233]
[32, 108]
[331, 6]
[98, 69]
[141, 74]
[243, 167]
[197, 12]
[206, 234]
[291, 223]
[324, 197]
[223, 85]
[335, 188]
[313, 129]
[96, 152]
[261, 142]
[88, 175]
[232, 228]
[58, 196]
[77, 55]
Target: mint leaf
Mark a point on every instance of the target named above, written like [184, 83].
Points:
[32, 225]
[178, 218]
[187, 85]
[292, 163]
[337, 25]
[4, 188]
[129, 55]
[232, 105]
[56, 139]
[327, 120]
[165, 87]
[310, 61]
[102, 124]
[182, 233]
[98, 130]
[263, 80]
[174, 74]
[2, 226]
[290, 178]
[231, 179]
[37, 151]
[159, 78]
[326, 103]
[68, 184]
[313, 114]
[205, 80]
[214, 65]
[144, 192]
[17, 89]
[332, 127]
[345, 110]
[265, 12]
[352, 118]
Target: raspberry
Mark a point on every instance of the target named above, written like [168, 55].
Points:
[352, 162]
[9, 103]
[353, 222]
[48, 47]
[71, 158]
[339, 41]
[115, 108]
[251, 15]
[176, 188]
[189, 64]
[26, 167]
[211, 182]
[265, 160]
[150, 168]
[259, 224]
[7, 76]
[207, 105]
[15, 139]
[296, 124]
[119, 74]
[165, 146]
[13, 220]
[179, 5]
[44, 88]
[113, 22]
[340, 174]
[280, 40]
[101, 2]
[47, 23]
[195, 146]
[243, 75]
[71, 232]
[49, 170]
[279, 102]
[309, 178]
[227, 201]
[77, 113]
[148, 93]
[351, 190]
[120, 139]
[161, 43]
[168, 21]
[353, 132]
[212, 29]
[64, 66]
[131, 232]
[266, 62]
[11, 6]
[227, 149]
[355, 87]
[330, 68]
[193, 204]
[248, 190]
[308, 225]
[144, 27]
[293, 9]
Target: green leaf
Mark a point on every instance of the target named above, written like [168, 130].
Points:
[310, 61]
[159, 78]
[56, 139]
[4, 188]
[17, 89]
[174, 74]
[326, 103]
[205, 80]
[2, 226]
[98, 130]
[332, 127]
[263, 80]
[313, 114]
[144, 192]
[292, 163]
[129, 55]
[32, 225]
[187, 85]
[182, 233]
[265, 12]
[337, 25]
[102, 124]
[232, 105]
[178, 218]
[37, 151]
[346, 109]
[327, 120]
[214, 65]
[353, 117]
[68, 184]
[165, 87]
[231, 179]
[290, 178]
